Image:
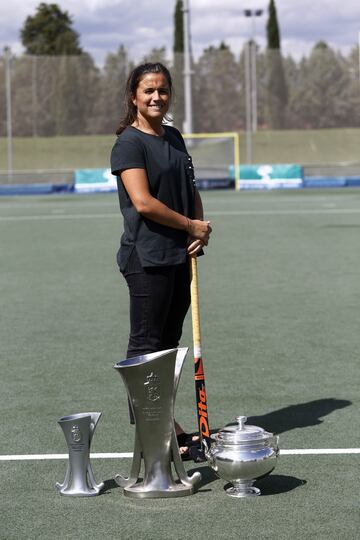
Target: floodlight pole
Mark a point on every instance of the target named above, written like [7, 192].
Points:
[188, 121]
[248, 102]
[359, 52]
[7, 58]
[34, 95]
[253, 13]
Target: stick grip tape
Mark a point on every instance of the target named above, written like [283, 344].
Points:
[195, 311]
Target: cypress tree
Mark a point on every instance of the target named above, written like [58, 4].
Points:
[272, 28]
[179, 28]
[277, 94]
[178, 65]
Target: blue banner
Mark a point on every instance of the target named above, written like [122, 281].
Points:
[94, 180]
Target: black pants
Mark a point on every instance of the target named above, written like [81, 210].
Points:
[159, 301]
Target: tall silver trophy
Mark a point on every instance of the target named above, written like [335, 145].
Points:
[79, 479]
[151, 382]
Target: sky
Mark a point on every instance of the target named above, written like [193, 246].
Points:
[141, 25]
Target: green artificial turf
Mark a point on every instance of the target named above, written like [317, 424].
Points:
[304, 498]
[279, 295]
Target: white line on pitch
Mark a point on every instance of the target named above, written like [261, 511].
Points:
[44, 457]
[110, 215]
[56, 217]
[289, 212]
[319, 451]
[122, 455]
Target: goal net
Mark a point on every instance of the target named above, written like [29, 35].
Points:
[215, 156]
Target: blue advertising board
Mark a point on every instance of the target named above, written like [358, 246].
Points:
[269, 176]
[94, 180]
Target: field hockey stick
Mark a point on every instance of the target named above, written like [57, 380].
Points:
[200, 391]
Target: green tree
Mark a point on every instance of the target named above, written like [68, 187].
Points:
[326, 91]
[353, 69]
[77, 81]
[179, 27]
[68, 110]
[296, 78]
[178, 66]
[277, 87]
[53, 95]
[50, 32]
[110, 96]
[22, 112]
[272, 28]
[217, 91]
[157, 54]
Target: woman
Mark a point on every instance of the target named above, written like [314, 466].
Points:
[163, 215]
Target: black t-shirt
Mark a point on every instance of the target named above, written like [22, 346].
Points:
[171, 180]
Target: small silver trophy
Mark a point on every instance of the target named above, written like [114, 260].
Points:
[151, 381]
[79, 477]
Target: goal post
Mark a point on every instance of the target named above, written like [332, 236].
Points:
[215, 155]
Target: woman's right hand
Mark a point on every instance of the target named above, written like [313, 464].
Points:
[199, 229]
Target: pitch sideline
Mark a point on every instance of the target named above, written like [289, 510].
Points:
[294, 212]
[126, 455]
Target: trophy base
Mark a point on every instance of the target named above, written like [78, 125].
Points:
[77, 493]
[140, 492]
[243, 490]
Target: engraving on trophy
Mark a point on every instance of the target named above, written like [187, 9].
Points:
[151, 414]
[152, 386]
[76, 434]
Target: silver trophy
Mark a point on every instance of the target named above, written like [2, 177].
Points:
[151, 381]
[79, 477]
[242, 454]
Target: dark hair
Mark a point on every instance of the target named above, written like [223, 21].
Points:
[130, 110]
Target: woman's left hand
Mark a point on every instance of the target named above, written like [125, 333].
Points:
[194, 246]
